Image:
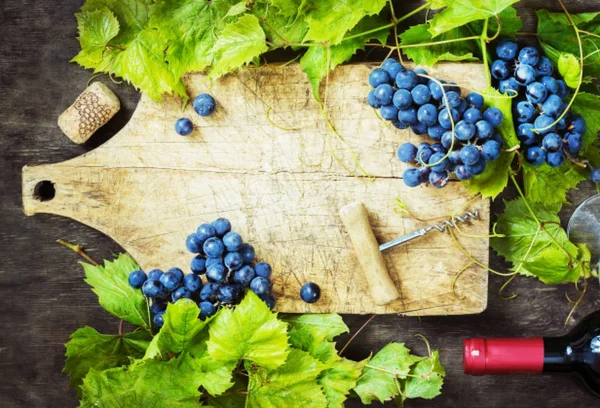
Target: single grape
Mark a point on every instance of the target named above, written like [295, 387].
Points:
[204, 105]
[137, 278]
[372, 100]
[233, 261]
[310, 292]
[535, 155]
[269, 300]
[451, 99]
[208, 293]
[412, 177]
[574, 143]
[494, 116]
[393, 69]
[525, 134]
[155, 274]
[207, 309]
[158, 305]
[407, 153]
[595, 175]
[436, 90]
[213, 247]
[438, 148]
[438, 162]
[484, 129]
[469, 154]
[193, 243]
[427, 114]
[184, 127]
[408, 116]
[419, 128]
[524, 74]
[378, 76]
[472, 115]
[578, 124]
[552, 142]
[206, 231]
[490, 150]
[544, 66]
[552, 106]
[260, 285]
[438, 179]
[178, 272]
[563, 91]
[478, 167]
[384, 93]
[461, 172]
[388, 112]
[222, 226]
[536, 93]
[550, 84]
[192, 283]
[444, 117]
[152, 288]
[232, 241]
[542, 124]
[462, 107]
[180, 293]
[529, 56]
[454, 157]
[475, 100]
[447, 140]
[424, 152]
[509, 86]
[507, 50]
[228, 293]
[247, 252]
[406, 79]
[170, 280]
[500, 69]
[198, 265]
[525, 112]
[159, 319]
[388, 62]
[555, 159]
[216, 273]
[421, 94]
[402, 99]
[464, 131]
[244, 275]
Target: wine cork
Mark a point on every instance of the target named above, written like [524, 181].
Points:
[92, 109]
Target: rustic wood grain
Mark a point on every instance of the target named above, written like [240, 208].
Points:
[148, 188]
[42, 293]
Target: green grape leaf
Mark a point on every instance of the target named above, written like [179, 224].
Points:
[251, 332]
[568, 67]
[293, 384]
[314, 61]
[556, 35]
[236, 9]
[110, 283]
[235, 398]
[339, 379]
[328, 326]
[96, 29]
[330, 20]
[588, 106]
[545, 253]
[89, 349]
[147, 383]
[133, 16]
[495, 177]
[283, 24]
[545, 184]
[426, 380]
[510, 21]
[217, 376]
[380, 376]
[460, 12]
[238, 44]
[290, 8]
[180, 331]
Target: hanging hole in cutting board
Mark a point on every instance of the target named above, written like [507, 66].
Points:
[44, 191]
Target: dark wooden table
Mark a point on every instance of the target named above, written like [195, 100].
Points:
[42, 294]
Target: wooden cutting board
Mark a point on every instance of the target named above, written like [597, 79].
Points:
[264, 160]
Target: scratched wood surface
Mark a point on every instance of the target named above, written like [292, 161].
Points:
[263, 161]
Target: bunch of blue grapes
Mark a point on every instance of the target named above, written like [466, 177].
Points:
[540, 96]
[434, 108]
[225, 260]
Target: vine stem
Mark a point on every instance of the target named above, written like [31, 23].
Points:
[121, 327]
[483, 40]
[583, 292]
[514, 180]
[78, 249]
[356, 334]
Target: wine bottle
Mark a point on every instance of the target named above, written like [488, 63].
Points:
[577, 353]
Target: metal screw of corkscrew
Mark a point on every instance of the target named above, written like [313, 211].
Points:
[441, 227]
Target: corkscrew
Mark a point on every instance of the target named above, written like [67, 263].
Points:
[441, 227]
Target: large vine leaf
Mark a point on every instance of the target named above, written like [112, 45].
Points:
[545, 184]
[426, 378]
[339, 379]
[89, 349]
[294, 384]
[238, 44]
[380, 379]
[251, 332]
[147, 383]
[315, 61]
[457, 13]
[96, 29]
[133, 16]
[115, 295]
[545, 253]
